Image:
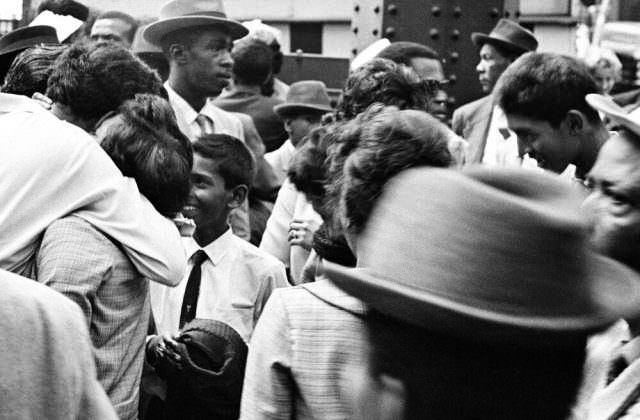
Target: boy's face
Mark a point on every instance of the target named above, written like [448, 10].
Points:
[209, 200]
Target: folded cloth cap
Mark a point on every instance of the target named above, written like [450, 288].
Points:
[509, 35]
[181, 14]
[490, 254]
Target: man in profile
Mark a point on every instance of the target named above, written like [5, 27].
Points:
[481, 122]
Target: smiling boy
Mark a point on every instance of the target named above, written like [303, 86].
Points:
[236, 277]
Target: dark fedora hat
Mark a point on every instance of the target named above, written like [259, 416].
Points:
[181, 14]
[488, 254]
[21, 39]
[304, 96]
[508, 35]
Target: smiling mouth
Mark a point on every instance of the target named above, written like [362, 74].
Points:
[189, 210]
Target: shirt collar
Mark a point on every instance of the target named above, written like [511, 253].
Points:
[182, 106]
[631, 350]
[215, 250]
[11, 103]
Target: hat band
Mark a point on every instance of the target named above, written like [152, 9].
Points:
[210, 13]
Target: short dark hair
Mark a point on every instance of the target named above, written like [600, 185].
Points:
[147, 145]
[93, 78]
[65, 8]
[377, 145]
[384, 81]
[546, 86]
[252, 61]
[403, 52]
[128, 19]
[236, 164]
[31, 69]
[492, 381]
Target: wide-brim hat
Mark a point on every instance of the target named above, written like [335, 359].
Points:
[616, 113]
[489, 254]
[304, 96]
[16, 41]
[508, 35]
[181, 14]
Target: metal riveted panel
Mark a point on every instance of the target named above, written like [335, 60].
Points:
[445, 25]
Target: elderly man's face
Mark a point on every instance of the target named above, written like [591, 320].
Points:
[115, 30]
[614, 202]
[491, 65]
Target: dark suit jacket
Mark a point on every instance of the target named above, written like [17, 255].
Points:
[471, 122]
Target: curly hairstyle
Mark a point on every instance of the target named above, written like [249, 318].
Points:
[94, 78]
[384, 81]
[31, 69]
[145, 143]
[377, 145]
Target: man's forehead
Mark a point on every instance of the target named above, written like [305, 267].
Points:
[109, 23]
[427, 68]
[213, 33]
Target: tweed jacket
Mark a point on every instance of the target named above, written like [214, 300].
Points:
[471, 122]
[621, 398]
[84, 265]
[301, 353]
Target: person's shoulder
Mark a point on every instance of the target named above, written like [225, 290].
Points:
[253, 254]
[75, 229]
[474, 106]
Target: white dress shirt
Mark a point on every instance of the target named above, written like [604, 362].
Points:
[237, 281]
[280, 159]
[501, 148]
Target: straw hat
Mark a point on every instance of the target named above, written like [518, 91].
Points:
[499, 255]
[181, 14]
[508, 35]
[307, 95]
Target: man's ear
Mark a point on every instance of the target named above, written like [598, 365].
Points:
[178, 53]
[575, 121]
[392, 398]
[237, 195]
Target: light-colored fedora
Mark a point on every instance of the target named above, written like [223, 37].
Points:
[490, 254]
[617, 114]
[306, 95]
[508, 35]
[181, 14]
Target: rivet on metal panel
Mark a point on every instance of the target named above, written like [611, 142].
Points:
[392, 9]
[457, 11]
[452, 79]
[376, 9]
[434, 34]
[435, 11]
[455, 34]
[455, 56]
[390, 32]
[356, 8]
[375, 32]
[354, 51]
[518, 14]
[495, 12]
[506, 14]
[355, 30]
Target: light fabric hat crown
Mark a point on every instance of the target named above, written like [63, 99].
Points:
[508, 35]
[265, 33]
[490, 254]
[306, 95]
[140, 45]
[181, 14]
[617, 114]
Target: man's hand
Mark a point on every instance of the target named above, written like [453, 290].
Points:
[161, 346]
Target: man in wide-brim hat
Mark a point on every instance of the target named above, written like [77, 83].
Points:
[482, 290]
[479, 122]
[196, 37]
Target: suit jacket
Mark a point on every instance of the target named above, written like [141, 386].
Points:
[471, 122]
[621, 398]
[304, 347]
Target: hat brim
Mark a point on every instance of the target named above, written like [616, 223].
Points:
[615, 112]
[480, 39]
[157, 30]
[614, 285]
[283, 110]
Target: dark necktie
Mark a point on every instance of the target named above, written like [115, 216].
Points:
[192, 291]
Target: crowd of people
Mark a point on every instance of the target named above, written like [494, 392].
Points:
[185, 236]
